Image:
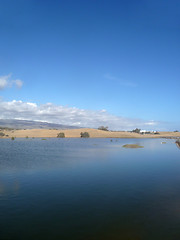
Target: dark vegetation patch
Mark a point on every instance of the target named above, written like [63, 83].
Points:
[132, 146]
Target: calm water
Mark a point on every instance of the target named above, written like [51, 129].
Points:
[89, 189]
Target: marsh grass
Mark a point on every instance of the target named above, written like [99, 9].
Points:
[132, 146]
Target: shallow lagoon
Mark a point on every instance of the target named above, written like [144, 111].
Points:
[89, 189]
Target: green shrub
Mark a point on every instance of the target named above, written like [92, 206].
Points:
[137, 130]
[103, 128]
[2, 134]
[61, 135]
[84, 134]
[156, 133]
[13, 138]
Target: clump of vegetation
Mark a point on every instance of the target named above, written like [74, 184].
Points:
[84, 135]
[156, 133]
[132, 146]
[2, 134]
[178, 143]
[6, 128]
[176, 131]
[27, 137]
[43, 139]
[13, 138]
[137, 130]
[61, 135]
[103, 128]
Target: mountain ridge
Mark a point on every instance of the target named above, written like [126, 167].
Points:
[30, 124]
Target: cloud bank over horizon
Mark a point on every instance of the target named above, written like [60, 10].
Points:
[7, 82]
[71, 116]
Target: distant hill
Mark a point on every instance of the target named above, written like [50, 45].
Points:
[26, 124]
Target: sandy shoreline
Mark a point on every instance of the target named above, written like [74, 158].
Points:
[75, 133]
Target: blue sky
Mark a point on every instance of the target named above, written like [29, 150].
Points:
[118, 56]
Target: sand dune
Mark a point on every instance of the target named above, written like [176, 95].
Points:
[75, 133]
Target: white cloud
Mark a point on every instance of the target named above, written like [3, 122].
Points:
[70, 116]
[18, 83]
[120, 81]
[151, 123]
[6, 82]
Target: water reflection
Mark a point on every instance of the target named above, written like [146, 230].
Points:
[7, 188]
[89, 189]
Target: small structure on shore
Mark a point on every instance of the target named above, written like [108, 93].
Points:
[148, 132]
